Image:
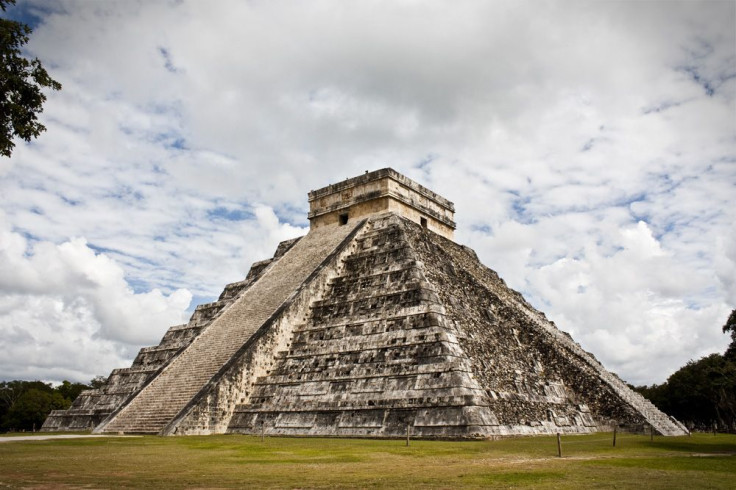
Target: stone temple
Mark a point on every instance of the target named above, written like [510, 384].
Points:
[374, 322]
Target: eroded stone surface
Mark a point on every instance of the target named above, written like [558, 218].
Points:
[378, 192]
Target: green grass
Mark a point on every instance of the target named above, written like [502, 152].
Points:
[700, 461]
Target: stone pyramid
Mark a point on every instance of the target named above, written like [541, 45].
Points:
[374, 322]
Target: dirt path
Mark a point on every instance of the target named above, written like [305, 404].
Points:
[46, 437]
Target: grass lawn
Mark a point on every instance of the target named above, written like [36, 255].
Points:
[700, 461]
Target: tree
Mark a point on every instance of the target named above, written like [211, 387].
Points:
[702, 392]
[11, 391]
[21, 81]
[698, 394]
[692, 394]
[730, 326]
[98, 382]
[32, 408]
[656, 394]
[70, 391]
[25, 403]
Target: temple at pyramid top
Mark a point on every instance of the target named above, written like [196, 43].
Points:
[378, 192]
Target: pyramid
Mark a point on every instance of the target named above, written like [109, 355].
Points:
[374, 323]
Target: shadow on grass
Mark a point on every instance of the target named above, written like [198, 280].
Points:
[700, 444]
[721, 464]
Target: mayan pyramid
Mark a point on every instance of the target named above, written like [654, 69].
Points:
[373, 323]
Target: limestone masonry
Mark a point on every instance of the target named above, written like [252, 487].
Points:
[373, 322]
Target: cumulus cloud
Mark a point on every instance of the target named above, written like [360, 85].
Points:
[67, 304]
[589, 147]
[630, 305]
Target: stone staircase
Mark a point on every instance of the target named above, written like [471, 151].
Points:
[372, 356]
[169, 392]
[92, 406]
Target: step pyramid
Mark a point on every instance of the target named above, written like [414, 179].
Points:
[374, 323]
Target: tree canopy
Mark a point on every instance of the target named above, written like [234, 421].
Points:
[703, 392]
[24, 405]
[730, 326]
[32, 408]
[21, 81]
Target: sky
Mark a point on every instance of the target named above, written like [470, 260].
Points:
[589, 148]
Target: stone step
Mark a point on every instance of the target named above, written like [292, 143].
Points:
[181, 380]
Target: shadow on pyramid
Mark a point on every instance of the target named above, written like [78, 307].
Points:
[373, 324]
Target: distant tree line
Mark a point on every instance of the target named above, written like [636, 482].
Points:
[24, 405]
[702, 393]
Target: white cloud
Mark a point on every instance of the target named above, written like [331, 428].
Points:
[631, 305]
[590, 148]
[58, 299]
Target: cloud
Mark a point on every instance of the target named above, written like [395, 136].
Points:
[631, 303]
[589, 147]
[67, 304]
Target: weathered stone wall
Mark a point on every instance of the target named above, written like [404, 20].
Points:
[377, 192]
[210, 411]
[356, 212]
[535, 375]
[372, 357]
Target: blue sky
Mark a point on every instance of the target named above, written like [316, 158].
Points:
[589, 147]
